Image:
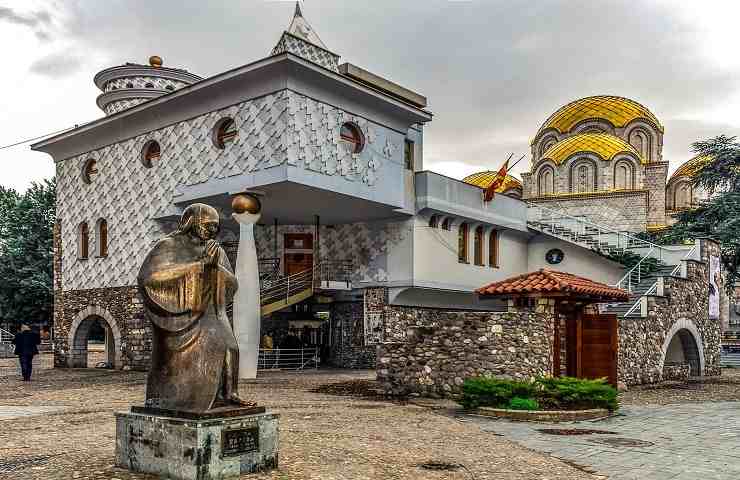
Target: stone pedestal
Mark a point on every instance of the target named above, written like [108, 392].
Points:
[188, 446]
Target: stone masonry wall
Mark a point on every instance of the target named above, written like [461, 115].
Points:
[626, 211]
[443, 348]
[656, 175]
[348, 345]
[123, 306]
[684, 305]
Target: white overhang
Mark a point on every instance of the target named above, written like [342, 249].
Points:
[269, 75]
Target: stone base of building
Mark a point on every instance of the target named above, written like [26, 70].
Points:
[196, 448]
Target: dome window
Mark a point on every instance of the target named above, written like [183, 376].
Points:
[149, 85]
[169, 87]
[129, 85]
[89, 170]
[352, 137]
[150, 153]
[225, 133]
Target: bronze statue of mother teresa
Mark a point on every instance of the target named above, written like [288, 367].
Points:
[186, 282]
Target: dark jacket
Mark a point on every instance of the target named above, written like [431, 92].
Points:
[26, 342]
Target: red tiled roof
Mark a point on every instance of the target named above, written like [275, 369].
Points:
[547, 281]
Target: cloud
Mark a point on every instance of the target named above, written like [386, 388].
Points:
[38, 21]
[34, 19]
[57, 65]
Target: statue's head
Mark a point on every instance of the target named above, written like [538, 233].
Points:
[200, 221]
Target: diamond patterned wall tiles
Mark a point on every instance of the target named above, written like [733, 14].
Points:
[303, 49]
[284, 127]
[157, 83]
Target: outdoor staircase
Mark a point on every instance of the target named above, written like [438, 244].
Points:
[640, 279]
[278, 292]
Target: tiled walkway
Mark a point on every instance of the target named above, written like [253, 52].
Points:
[677, 442]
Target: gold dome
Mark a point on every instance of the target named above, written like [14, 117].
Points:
[618, 111]
[604, 145]
[155, 61]
[485, 178]
[691, 167]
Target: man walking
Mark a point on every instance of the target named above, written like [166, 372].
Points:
[26, 346]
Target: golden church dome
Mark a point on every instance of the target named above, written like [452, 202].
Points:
[618, 111]
[485, 178]
[604, 145]
[691, 167]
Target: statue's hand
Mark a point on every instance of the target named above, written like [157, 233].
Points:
[212, 253]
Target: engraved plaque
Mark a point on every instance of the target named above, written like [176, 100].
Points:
[239, 440]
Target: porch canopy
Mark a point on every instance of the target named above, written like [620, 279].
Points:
[546, 283]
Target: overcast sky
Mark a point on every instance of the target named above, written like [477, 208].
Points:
[492, 70]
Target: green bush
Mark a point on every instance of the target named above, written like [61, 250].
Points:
[519, 403]
[564, 393]
[485, 391]
[568, 393]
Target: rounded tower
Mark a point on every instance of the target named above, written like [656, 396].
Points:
[125, 86]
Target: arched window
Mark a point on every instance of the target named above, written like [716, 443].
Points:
[434, 221]
[446, 223]
[682, 196]
[547, 142]
[149, 85]
[102, 228]
[225, 133]
[478, 246]
[351, 136]
[493, 249]
[169, 87]
[545, 183]
[83, 241]
[89, 170]
[150, 153]
[129, 85]
[462, 243]
[623, 177]
[583, 177]
[641, 140]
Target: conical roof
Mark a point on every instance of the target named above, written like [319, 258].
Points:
[302, 29]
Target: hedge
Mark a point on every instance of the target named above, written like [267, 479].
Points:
[562, 393]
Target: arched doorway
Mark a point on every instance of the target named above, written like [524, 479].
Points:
[683, 346]
[94, 339]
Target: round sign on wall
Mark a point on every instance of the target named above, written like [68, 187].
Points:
[554, 256]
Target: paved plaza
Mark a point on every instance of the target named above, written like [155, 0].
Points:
[677, 442]
[335, 426]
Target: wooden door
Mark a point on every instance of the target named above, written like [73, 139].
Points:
[298, 248]
[599, 343]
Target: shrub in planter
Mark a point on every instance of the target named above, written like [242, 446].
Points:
[564, 393]
[519, 403]
[568, 393]
[493, 392]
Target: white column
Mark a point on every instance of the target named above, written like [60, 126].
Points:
[247, 311]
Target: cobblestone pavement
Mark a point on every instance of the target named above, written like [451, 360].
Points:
[688, 441]
[322, 436]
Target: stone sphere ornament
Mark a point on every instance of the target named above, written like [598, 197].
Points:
[155, 61]
[246, 203]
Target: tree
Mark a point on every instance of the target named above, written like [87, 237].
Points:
[26, 254]
[719, 217]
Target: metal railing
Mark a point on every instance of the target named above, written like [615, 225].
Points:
[6, 336]
[654, 287]
[635, 272]
[269, 268]
[334, 271]
[288, 359]
[285, 287]
[586, 232]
